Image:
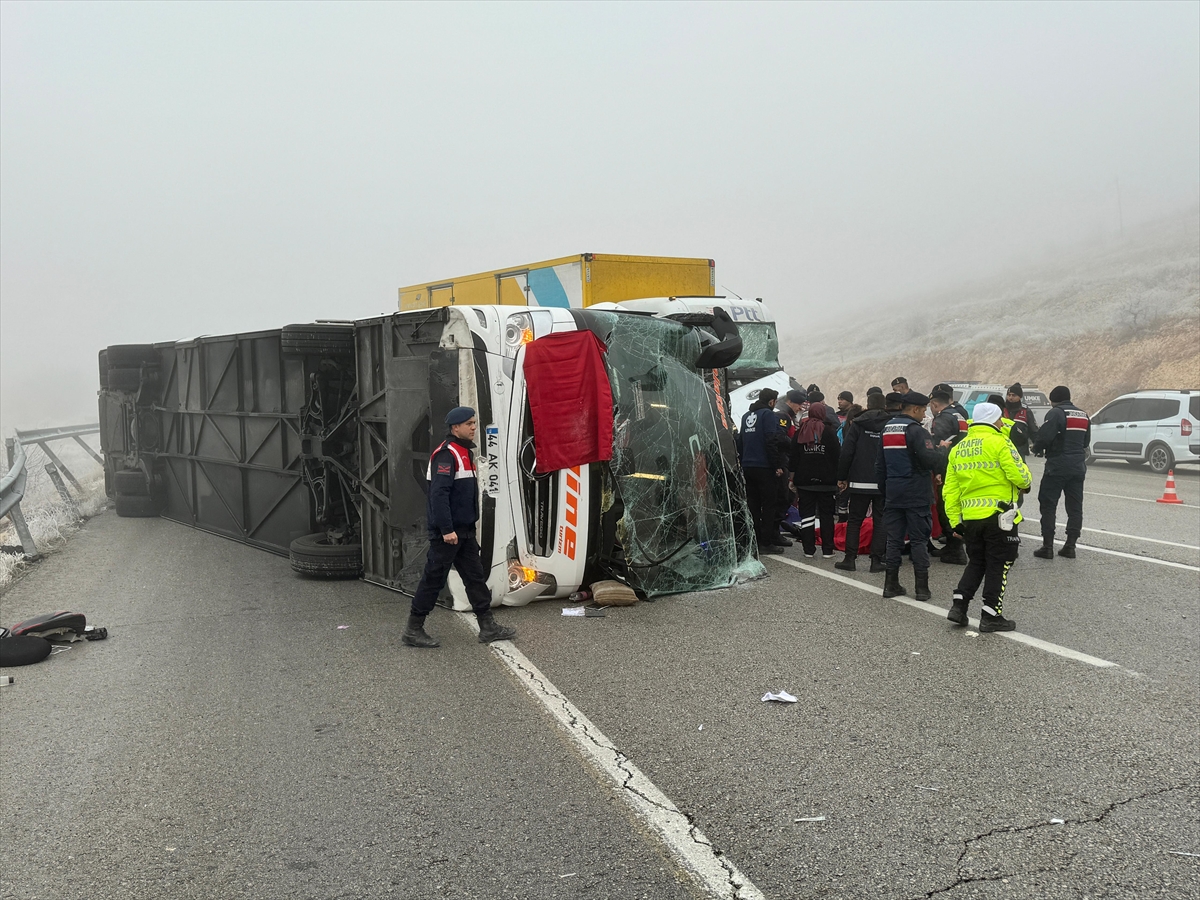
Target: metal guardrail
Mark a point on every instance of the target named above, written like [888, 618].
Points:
[12, 485]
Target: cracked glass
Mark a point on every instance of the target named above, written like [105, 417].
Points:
[684, 523]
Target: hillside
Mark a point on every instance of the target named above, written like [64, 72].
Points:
[1102, 319]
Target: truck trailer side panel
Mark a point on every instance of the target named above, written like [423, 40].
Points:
[570, 282]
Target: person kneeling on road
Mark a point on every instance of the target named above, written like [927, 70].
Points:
[985, 477]
[451, 513]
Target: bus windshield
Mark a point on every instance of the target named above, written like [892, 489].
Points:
[760, 352]
[685, 525]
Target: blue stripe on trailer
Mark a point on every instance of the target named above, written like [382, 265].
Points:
[547, 289]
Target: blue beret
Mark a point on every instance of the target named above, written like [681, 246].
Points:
[459, 414]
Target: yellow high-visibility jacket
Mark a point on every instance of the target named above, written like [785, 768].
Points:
[983, 471]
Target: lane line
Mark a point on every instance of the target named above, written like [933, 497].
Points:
[1148, 559]
[714, 873]
[1133, 537]
[1139, 499]
[940, 611]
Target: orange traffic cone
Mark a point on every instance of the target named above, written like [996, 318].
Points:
[1169, 495]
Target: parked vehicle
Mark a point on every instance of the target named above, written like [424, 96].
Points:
[313, 442]
[972, 393]
[570, 282]
[1155, 428]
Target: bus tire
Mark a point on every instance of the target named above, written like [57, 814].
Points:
[315, 557]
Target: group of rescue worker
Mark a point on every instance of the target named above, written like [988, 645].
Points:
[903, 459]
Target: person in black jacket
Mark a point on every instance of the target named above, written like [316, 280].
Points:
[948, 428]
[814, 473]
[762, 444]
[1024, 423]
[452, 509]
[1064, 438]
[856, 474]
[904, 471]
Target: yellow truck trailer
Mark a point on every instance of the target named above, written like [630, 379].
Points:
[570, 281]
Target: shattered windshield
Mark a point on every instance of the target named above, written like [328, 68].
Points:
[760, 351]
[685, 525]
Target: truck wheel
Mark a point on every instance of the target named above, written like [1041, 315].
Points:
[313, 555]
[103, 370]
[124, 379]
[136, 507]
[132, 356]
[1161, 459]
[131, 483]
[317, 340]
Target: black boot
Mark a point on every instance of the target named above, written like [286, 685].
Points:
[989, 623]
[954, 554]
[847, 564]
[491, 630]
[415, 635]
[891, 584]
[922, 586]
[877, 564]
[958, 612]
[1046, 551]
[1067, 550]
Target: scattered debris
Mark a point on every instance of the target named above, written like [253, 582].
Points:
[574, 611]
[343, 627]
[569, 875]
[1182, 853]
[1058, 821]
[701, 728]
[810, 819]
[6, 680]
[921, 787]
[613, 593]
[781, 696]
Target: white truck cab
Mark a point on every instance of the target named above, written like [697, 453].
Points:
[758, 366]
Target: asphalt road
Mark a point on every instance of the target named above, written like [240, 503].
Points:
[229, 740]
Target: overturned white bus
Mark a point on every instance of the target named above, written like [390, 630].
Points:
[313, 441]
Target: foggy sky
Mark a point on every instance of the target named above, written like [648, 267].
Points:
[171, 170]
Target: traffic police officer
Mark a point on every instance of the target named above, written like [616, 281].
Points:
[949, 427]
[904, 470]
[985, 477]
[451, 512]
[763, 447]
[1064, 439]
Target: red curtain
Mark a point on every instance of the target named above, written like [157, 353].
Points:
[571, 400]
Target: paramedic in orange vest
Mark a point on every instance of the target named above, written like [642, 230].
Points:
[451, 513]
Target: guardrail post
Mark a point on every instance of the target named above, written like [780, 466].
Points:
[8, 448]
[27, 545]
[59, 463]
[84, 444]
[52, 471]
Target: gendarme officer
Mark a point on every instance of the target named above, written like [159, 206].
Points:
[451, 513]
[904, 469]
[1063, 438]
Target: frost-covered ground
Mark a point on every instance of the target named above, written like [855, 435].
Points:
[1103, 319]
[51, 520]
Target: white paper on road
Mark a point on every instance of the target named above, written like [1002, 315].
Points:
[574, 611]
[782, 696]
[811, 819]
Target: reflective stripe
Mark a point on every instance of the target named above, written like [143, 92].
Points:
[463, 466]
[1077, 421]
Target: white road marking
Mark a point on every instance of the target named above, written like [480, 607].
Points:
[1139, 499]
[1133, 537]
[714, 873]
[1149, 559]
[940, 611]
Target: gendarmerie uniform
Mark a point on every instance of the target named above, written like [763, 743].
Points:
[452, 508]
[1064, 439]
[904, 471]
